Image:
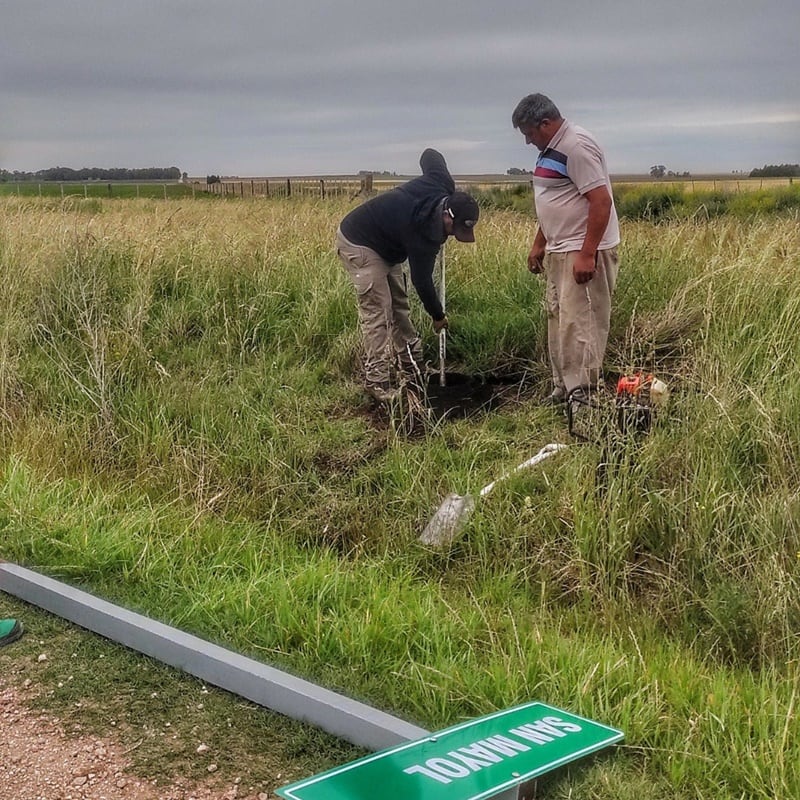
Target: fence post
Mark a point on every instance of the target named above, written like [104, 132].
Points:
[266, 188]
[322, 188]
[288, 188]
[85, 191]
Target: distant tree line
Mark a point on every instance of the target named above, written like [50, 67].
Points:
[777, 171]
[518, 171]
[659, 171]
[94, 174]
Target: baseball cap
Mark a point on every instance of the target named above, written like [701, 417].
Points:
[463, 210]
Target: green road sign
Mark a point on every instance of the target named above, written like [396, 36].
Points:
[474, 760]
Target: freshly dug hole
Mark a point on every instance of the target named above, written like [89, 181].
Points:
[461, 396]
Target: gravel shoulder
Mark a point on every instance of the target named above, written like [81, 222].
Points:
[85, 719]
[39, 759]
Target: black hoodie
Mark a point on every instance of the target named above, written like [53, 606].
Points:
[406, 223]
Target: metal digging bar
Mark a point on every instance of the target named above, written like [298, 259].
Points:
[443, 331]
[455, 509]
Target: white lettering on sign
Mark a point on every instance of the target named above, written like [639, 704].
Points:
[569, 727]
[447, 768]
[425, 771]
[544, 730]
[504, 745]
[480, 753]
[465, 760]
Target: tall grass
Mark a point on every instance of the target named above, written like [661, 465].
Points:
[672, 201]
[656, 202]
[182, 431]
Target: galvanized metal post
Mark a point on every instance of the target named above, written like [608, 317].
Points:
[294, 697]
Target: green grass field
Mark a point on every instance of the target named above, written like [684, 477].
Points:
[183, 432]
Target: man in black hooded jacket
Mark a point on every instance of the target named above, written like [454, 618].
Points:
[410, 222]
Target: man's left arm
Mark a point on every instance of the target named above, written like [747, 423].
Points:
[600, 202]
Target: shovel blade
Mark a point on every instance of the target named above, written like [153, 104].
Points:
[448, 520]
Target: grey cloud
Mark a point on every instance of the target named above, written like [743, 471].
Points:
[332, 85]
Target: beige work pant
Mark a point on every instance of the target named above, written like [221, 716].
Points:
[390, 339]
[578, 317]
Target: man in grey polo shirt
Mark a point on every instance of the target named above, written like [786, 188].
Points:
[575, 244]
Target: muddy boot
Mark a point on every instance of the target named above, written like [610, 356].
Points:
[382, 391]
[558, 397]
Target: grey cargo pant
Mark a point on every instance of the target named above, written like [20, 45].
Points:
[390, 339]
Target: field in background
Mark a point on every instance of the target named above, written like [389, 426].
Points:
[182, 431]
[706, 183]
[350, 186]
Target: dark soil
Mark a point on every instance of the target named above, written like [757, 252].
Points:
[461, 396]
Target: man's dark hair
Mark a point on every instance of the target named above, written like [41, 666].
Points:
[534, 110]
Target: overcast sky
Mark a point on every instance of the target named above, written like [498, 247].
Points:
[298, 87]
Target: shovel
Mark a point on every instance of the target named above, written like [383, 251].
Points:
[455, 509]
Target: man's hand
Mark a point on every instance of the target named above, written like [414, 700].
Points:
[583, 267]
[536, 259]
[440, 324]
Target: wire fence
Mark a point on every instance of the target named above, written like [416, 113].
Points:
[290, 187]
[98, 189]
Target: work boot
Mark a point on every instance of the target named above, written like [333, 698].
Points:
[582, 395]
[412, 373]
[413, 382]
[382, 391]
[556, 398]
